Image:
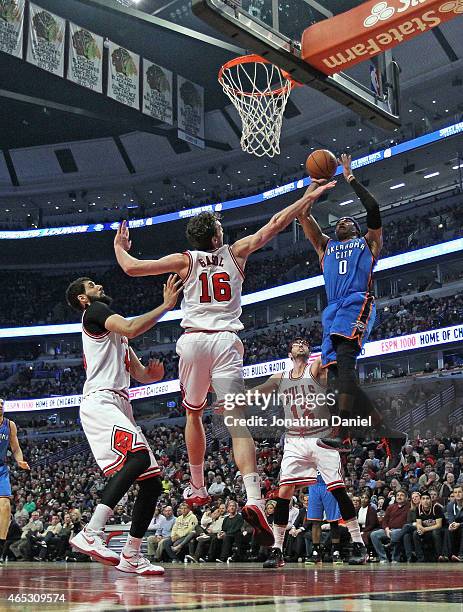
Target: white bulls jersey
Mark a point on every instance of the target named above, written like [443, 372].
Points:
[107, 362]
[212, 291]
[305, 400]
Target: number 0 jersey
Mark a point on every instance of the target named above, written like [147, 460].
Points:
[212, 291]
[347, 267]
[106, 360]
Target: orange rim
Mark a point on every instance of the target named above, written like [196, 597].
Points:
[257, 59]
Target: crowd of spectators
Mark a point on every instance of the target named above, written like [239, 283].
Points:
[40, 298]
[413, 512]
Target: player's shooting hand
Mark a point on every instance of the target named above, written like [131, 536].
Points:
[320, 190]
[154, 370]
[122, 238]
[345, 161]
[23, 465]
[171, 290]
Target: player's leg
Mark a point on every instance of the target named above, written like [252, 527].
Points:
[335, 542]
[333, 515]
[280, 523]
[315, 516]
[5, 516]
[195, 379]
[329, 465]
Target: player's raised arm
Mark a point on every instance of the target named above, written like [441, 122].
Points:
[176, 263]
[141, 324]
[16, 449]
[374, 236]
[312, 231]
[267, 387]
[245, 246]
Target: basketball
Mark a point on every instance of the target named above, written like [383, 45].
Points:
[321, 164]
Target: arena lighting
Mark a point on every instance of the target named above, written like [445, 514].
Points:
[346, 202]
[456, 167]
[397, 186]
[388, 263]
[426, 176]
[410, 145]
[377, 348]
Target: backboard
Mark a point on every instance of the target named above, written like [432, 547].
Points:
[274, 30]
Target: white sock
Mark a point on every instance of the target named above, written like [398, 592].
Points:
[132, 546]
[100, 517]
[354, 530]
[279, 533]
[252, 486]
[197, 475]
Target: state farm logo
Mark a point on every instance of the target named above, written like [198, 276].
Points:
[380, 12]
[452, 7]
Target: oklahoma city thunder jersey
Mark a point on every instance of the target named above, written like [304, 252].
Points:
[212, 291]
[4, 441]
[347, 267]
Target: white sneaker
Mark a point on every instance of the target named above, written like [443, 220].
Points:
[196, 497]
[138, 564]
[93, 544]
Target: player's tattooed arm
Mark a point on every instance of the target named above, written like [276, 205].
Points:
[280, 221]
[141, 324]
[153, 372]
[16, 449]
[177, 263]
[374, 236]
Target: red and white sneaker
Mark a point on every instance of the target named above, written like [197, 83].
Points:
[196, 497]
[138, 564]
[93, 544]
[253, 513]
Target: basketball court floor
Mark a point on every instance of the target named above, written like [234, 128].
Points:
[91, 587]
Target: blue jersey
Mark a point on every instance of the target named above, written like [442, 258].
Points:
[4, 440]
[347, 267]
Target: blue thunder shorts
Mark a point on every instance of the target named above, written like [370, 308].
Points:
[5, 487]
[352, 317]
[322, 504]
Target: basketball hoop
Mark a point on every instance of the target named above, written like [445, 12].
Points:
[259, 91]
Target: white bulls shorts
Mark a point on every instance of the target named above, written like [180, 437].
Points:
[108, 423]
[209, 359]
[302, 457]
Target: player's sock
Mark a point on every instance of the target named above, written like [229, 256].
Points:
[132, 546]
[279, 534]
[252, 486]
[354, 530]
[2, 546]
[197, 475]
[100, 517]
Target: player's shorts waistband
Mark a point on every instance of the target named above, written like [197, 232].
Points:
[367, 294]
[208, 331]
[121, 392]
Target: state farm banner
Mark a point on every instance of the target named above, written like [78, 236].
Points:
[337, 43]
[123, 76]
[46, 40]
[85, 58]
[158, 92]
[12, 27]
[190, 101]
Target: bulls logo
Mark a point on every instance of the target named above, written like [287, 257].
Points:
[123, 441]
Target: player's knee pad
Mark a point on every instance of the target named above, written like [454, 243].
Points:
[346, 507]
[281, 515]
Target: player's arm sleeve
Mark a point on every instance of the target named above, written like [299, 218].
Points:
[370, 204]
[95, 317]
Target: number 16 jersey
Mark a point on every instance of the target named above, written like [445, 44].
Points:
[347, 267]
[212, 291]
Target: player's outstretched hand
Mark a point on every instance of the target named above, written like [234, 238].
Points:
[154, 370]
[316, 193]
[345, 161]
[122, 238]
[23, 465]
[172, 288]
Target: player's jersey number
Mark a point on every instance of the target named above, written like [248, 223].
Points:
[342, 266]
[221, 289]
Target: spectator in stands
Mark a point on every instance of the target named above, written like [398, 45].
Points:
[428, 535]
[21, 513]
[67, 531]
[50, 538]
[207, 546]
[217, 487]
[454, 535]
[231, 534]
[163, 533]
[367, 517]
[182, 532]
[394, 519]
[23, 548]
[13, 535]
[410, 527]
[296, 546]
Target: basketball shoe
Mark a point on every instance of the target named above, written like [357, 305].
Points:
[196, 497]
[93, 544]
[138, 564]
[253, 513]
[275, 559]
[359, 554]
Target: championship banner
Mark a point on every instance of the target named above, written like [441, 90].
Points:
[190, 101]
[123, 76]
[12, 27]
[340, 42]
[158, 92]
[85, 58]
[46, 40]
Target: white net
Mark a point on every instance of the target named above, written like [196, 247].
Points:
[259, 91]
